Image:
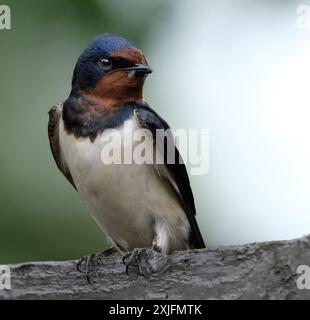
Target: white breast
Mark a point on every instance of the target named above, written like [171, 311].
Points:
[130, 202]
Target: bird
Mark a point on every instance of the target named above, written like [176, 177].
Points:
[136, 205]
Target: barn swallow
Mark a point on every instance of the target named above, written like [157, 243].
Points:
[136, 205]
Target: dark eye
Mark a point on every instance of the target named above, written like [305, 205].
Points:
[105, 63]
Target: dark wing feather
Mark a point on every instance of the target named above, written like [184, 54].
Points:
[178, 175]
[53, 134]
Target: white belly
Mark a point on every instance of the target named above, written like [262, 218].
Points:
[129, 202]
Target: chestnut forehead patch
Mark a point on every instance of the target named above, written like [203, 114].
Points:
[132, 54]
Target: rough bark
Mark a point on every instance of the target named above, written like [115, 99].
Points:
[264, 270]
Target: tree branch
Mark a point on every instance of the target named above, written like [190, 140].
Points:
[264, 270]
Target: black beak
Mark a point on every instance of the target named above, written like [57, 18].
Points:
[143, 68]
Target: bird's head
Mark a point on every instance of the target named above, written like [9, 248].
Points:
[110, 71]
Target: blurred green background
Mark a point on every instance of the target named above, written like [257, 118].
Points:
[239, 68]
[42, 217]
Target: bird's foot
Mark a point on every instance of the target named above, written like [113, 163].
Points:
[137, 263]
[145, 262]
[87, 264]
